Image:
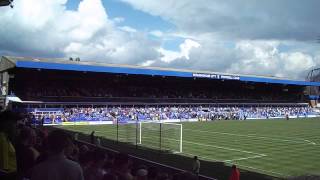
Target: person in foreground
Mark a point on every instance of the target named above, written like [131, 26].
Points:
[8, 163]
[235, 173]
[57, 166]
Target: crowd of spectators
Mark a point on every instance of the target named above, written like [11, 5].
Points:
[125, 114]
[34, 153]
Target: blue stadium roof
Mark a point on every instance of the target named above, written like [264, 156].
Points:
[58, 64]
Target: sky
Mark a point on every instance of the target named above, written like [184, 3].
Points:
[256, 37]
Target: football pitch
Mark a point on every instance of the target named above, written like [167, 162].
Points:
[278, 148]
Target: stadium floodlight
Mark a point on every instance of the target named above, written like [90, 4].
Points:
[6, 3]
[163, 136]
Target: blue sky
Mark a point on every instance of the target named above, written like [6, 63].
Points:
[269, 38]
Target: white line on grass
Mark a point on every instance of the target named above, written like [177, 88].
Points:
[226, 148]
[245, 158]
[230, 162]
[214, 146]
[311, 142]
[304, 141]
[257, 155]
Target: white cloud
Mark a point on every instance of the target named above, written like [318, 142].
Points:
[246, 57]
[147, 63]
[185, 49]
[157, 33]
[187, 46]
[45, 28]
[169, 55]
[244, 19]
[128, 29]
[264, 58]
[118, 19]
[241, 36]
[294, 62]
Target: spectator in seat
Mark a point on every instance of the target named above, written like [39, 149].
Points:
[141, 172]
[153, 173]
[121, 167]
[235, 174]
[185, 176]
[57, 166]
[95, 171]
[110, 177]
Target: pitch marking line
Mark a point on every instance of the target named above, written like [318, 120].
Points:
[248, 167]
[245, 158]
[231, 160]
[311, 142]
[304, 141]
[214, 146]
[226, 148]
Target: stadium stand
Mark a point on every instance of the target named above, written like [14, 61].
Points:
[182, 94]
[73, 81]
[61, 92]
[65, 86]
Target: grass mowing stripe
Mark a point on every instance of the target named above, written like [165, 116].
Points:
[302, 141]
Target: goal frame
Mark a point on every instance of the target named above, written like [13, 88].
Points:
[160, 124]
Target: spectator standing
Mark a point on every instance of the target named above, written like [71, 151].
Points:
[57, 166]
[92, 138]
[196, 165]
[76, 136]
[235, 173]
[98, 142]
[8, 162]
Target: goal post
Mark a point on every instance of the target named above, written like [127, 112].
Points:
[161, 135]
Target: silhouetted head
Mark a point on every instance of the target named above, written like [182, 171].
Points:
[58, 141]
[8, 121]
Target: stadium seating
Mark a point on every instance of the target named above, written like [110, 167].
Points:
[183, 113]
[65, 87]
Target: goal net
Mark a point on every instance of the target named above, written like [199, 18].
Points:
[163, 136]
[128, 133]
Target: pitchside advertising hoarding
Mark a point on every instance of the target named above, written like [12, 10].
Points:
[114, 122]
[215, 76]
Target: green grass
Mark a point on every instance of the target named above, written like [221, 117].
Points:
[278, 148]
